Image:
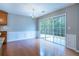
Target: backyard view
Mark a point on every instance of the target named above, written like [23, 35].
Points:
[53, 29]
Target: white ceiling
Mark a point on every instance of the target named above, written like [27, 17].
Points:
[26, 9]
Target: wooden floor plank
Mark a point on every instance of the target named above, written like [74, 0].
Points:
[35, 47]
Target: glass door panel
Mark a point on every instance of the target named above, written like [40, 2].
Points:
[48, 29]
[53, 29]
[42, 29]
[59, 30]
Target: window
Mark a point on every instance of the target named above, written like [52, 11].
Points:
[53, 28]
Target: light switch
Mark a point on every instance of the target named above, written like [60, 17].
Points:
[69, 28]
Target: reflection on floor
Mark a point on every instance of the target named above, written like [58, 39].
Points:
[35, 47]
[53, 38]
[52, 49]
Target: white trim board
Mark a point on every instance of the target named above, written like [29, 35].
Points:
[71, 42]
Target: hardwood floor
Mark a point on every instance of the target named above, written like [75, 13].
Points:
[35, 47]
[21, 48]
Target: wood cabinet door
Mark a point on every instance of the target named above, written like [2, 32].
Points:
[3, 18]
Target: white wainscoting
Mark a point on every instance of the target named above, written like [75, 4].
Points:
[14, 36]
[71, 41]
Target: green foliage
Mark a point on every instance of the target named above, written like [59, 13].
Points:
[53, 26]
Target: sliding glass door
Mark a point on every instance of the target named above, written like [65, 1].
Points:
[53, 29]
[42, 28]
[59, 29]
[48, 29]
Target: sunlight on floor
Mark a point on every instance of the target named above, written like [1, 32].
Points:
[52, 38]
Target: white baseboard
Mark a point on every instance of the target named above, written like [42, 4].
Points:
[74, 49]
[19, 40]
[77, 51]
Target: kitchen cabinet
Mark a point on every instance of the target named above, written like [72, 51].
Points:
[3, 23]
[3, 17]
